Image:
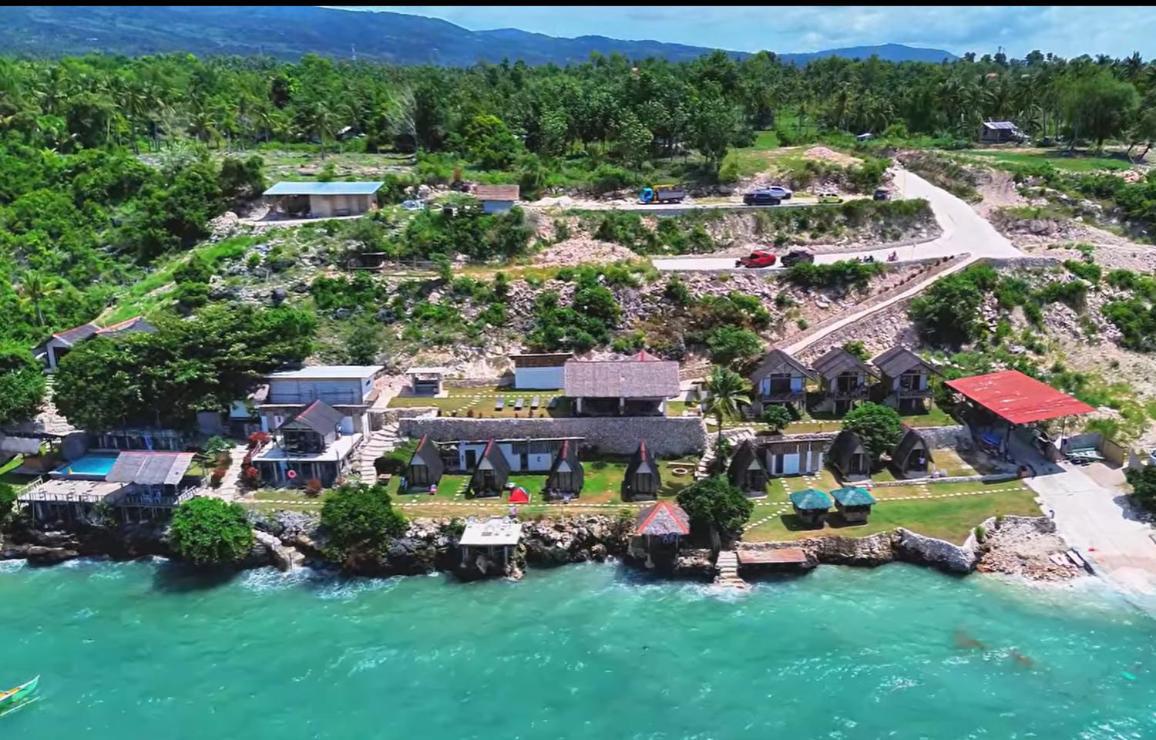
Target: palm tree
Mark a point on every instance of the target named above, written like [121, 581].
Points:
[35, 289]
[728, 393]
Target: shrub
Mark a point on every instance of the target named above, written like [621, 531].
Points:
[210, 531]
[980, 534]
[313, 487]
[777, 417]
[217, 476]
[1086, 270]
[732, 345]
[360, 521]
[878, 427]
[858, 349]
[258, 440]
[251, 476]
[7, 501]
[716, 508]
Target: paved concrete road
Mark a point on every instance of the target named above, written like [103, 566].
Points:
[964, 230]
[1098, 522]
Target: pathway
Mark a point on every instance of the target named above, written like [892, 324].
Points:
[1099, 522]
[728, 571]
[382, 441]
[228, 488]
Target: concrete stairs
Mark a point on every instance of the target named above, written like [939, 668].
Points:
[736, 436]
[728, 571]
[228, 488]
[377, 444]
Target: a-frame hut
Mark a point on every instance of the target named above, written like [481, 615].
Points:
[425, 468]
[643, 479]
[911, 458]
[747, 471]
[849, 457]
[566, 475]
[491, 472]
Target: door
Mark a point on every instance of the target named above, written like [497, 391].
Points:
[471, 459]
[791, 464]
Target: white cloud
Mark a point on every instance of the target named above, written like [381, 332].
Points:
[1066, 31]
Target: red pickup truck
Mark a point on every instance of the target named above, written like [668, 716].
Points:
[757, 258]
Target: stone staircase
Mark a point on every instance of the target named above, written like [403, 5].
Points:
[728, 571]
[377, 444]
[736, 437]
[228, 488]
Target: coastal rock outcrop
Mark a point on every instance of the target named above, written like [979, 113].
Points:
[876, 549]
[573, 540]
[915, 548]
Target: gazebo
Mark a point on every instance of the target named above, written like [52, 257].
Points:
[911, 457]
[811, 506]
[747, 471]
[854, 503]
[657, 533]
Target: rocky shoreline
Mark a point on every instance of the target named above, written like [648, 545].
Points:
[1018, 546]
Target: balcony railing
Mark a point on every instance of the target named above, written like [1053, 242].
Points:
[333, 398]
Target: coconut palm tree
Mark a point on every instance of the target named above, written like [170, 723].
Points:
[728, 393]
[34, 289]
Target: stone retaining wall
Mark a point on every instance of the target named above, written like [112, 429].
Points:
[990, 478]
[665, 436]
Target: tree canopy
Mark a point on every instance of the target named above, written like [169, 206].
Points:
[360, 521]
[716, 507]
[878, 427]
[21, 384]
[210, 531]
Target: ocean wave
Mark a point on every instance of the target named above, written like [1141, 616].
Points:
[11, 566]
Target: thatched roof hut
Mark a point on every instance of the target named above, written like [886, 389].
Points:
[911, 456]
[643, 478]
[425, 467]
[566, 474]
[848, 456]
[491, 472]
[747, 471]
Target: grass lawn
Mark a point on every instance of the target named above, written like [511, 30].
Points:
[935, 417]
[949, 518]
[1080, 161]
[483, 400]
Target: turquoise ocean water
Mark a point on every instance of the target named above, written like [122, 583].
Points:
[132, 651]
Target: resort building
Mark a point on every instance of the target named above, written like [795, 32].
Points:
[323, 199]
[911, 457]
[849, 457]
[793, 454]
[134, 486]
[780, 379]
[350, 389]
[60, 344]
[906, 380]
[643, 478]
[496, 198]
[425, 468]
[310, 445]
[747, 472]
[566, 474]
[487, 547]
[637, 386]
[658, 532]
[522, 455]
[490, 473]
[541, 371]
[844, 380]
[426, 381]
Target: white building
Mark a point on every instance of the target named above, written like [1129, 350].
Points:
[540, 372]
[324, 199]
[497, 198]
[349, 389]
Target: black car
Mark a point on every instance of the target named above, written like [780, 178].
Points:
[761, 198]
[882, 194]
[795, 256]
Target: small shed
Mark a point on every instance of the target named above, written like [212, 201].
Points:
[643, 479]
[911, 457]
[747, 471]
[324, 199]
[496, 198]
[426, 381]
[487, 547]
[853, 503]
[491, 472]
[658, 530]
[425, 468]
[849, 457]
[566, 475]
[811, 506]
[999, 132]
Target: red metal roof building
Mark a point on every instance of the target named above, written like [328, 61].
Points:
[1018, 398]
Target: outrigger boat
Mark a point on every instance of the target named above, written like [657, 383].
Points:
[12, 697]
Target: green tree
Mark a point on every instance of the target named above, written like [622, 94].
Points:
[858, 349]
[715, 121]
[716, 507]
[879, 427]
[487, 141]
[632, 140]
[210, 531]
[733, 345]
[777, 417]
[21, 384]
[360, 521]
[1099, 107]
[1143, 482]
[8, 498]
[947, 313]
[727, 394]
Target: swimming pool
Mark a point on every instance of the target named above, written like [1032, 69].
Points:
[89, 467]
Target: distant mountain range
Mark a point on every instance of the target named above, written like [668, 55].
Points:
[289, 32]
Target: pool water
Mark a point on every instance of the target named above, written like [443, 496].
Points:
[89, 466]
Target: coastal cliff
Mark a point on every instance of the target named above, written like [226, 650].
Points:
[286, 539]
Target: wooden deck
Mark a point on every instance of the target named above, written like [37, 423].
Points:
[778, 556]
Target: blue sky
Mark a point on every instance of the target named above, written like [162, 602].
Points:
[1067, 31]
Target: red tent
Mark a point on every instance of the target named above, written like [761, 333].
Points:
[519, 496]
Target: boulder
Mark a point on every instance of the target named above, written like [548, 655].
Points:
[40, 555]
[916, 548]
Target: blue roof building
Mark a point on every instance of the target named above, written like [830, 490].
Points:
[325, 199]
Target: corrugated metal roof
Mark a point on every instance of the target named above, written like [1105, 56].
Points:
[496, 192]
[1000, 125]
[898, 360]
[150, 468]
[1018, 398]
[77, 333]
[318, 416]
[324, 188]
